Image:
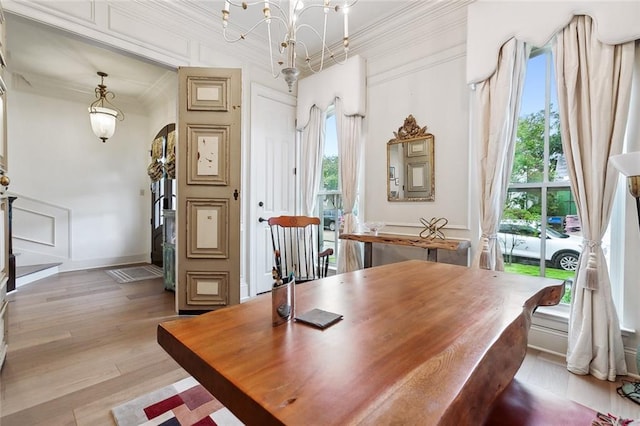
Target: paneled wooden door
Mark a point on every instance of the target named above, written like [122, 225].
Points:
[208, 195]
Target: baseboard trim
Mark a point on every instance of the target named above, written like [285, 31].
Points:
[35, 276]
[555, 342]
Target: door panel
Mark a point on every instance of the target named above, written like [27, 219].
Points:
[208, 176]
[273, 180]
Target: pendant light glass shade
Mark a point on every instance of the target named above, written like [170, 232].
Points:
[103, 122]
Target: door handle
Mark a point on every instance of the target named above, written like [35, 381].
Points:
[262, 219]
[4, 183]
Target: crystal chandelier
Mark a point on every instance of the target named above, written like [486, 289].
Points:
[288, 21]
[102, 112]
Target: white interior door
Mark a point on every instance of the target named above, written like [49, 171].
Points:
[273, 162]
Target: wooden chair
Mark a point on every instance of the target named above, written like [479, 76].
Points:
[297, 247]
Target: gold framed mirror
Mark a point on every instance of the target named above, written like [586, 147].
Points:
[410, 163]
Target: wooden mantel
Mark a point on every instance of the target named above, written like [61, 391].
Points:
[431, 245]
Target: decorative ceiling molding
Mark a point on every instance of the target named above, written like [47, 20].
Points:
[57, 88]
[189, 33]
[395, 33]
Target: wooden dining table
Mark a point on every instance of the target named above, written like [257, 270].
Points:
[420, 343]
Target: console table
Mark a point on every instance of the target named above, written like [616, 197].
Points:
[431, 245]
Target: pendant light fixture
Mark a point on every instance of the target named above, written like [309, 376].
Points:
[102, 112]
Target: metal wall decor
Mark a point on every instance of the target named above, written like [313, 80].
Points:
[432, 228]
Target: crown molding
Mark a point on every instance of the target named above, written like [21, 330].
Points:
[64, 89]
[194, 27]
[398, 31]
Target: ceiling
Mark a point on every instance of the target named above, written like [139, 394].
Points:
[44, 59]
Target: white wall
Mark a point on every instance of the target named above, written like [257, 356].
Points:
[56, 159]
[428, 81]
[175, 34]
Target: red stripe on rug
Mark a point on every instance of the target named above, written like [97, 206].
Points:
[163, 406]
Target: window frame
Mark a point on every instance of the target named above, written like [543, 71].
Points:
[322, 193]
[545, 186]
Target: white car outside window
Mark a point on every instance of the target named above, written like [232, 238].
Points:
[523, 241]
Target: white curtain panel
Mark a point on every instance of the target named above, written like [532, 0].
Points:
[311, 159]
[497, 104]
[350, 148]
[594, 86]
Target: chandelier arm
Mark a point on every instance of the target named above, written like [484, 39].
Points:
[324, 38]
[308, 7]
[273, 73]
[314, 6]
[324, 44]
[331, 55]
[242, 4]
[271, 5]
[242, 36]
[308, 59]
[321, 38]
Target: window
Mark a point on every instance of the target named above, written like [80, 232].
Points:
[329, 196]
[540, 233]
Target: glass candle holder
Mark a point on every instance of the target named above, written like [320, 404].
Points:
[283, 300]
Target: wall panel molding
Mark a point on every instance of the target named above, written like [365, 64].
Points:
[139, 27]
[33, 226]
[40, 230]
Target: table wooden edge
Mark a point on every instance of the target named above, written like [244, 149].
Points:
[241, 405]
[491, 378]
[409, 240]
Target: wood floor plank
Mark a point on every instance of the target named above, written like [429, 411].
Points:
[80, 344]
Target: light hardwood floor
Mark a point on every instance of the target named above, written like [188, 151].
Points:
[80, 344]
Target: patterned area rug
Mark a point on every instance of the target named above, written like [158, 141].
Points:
[135, 273]
[184, 403]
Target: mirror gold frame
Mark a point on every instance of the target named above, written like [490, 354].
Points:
[410, 164]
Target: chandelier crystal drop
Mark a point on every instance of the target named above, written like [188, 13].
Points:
[285, 24]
